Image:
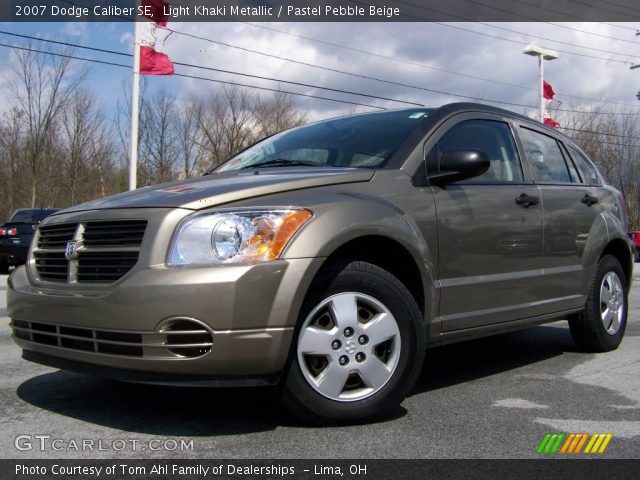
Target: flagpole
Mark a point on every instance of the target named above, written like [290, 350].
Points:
[542, 103]
[135, 109]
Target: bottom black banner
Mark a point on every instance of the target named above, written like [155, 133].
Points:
[316, 469]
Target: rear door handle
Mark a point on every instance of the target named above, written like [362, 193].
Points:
[589, 200]
[526, 201]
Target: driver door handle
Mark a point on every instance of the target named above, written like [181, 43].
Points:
[589, 200]
[526, 201]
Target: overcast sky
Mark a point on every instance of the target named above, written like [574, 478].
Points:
[429, 44]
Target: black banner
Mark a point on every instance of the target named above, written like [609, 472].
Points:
[323, 10]
[123, 469]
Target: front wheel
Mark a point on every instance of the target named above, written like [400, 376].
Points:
[359, 349]
[600, 327]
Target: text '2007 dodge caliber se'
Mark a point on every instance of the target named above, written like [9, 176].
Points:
[325, 259]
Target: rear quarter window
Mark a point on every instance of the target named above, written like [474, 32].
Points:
[588, 171]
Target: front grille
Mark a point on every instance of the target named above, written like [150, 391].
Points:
[181, 338]
[106, 250]
[109, 266]
[56, 236]
[51, 266]
[129, 232]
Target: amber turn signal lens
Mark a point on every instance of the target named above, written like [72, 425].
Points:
[290, 225]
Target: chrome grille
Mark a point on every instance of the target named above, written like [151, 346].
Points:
[106, 250]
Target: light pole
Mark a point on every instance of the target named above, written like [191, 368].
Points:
[542, 54]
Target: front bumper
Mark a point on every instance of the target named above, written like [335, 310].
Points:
[250, 311]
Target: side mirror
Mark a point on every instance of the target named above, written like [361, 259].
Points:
[456, 165]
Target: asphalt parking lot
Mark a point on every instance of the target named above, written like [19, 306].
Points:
[488, 398]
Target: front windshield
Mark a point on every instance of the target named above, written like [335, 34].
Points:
[361, 141]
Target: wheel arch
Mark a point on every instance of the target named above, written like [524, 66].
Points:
[619, 249]
[388, 254]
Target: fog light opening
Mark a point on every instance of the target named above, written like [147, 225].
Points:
[187, 338]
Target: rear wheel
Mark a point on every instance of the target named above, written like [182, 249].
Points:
[359, 349]
[636, 254]
[4, 268]
[601, 326]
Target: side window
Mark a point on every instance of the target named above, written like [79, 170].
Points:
[588, 171]
[547, 162]
[575, 176]
[491, 137]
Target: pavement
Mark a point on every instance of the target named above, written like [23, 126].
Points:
[488, 398]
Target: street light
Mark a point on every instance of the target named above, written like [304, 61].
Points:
[542, 54]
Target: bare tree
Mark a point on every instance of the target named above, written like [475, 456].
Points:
[86, 146]
[611, 142]
[158, 138]
[11, 150]
[190, 151]
[41, 85]
[232, 119]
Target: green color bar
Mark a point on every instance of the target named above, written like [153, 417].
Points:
[550, 443]
[543, 443]
[558, 442]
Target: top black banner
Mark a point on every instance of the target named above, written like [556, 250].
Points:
[321, 11]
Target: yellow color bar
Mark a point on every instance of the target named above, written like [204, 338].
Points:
[606, 441]
[594, 437]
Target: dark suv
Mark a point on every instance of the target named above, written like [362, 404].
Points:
[16, 235]
[325, 259]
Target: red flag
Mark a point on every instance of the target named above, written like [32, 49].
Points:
[156, 11]
[153, 62]
[550, 122]
[547, 90]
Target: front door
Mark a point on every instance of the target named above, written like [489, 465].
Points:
[489, 231]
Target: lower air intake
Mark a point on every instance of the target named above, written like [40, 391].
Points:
[187, 338]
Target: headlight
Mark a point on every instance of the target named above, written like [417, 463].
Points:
[249, 236]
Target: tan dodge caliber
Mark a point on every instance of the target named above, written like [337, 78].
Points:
[325, 259]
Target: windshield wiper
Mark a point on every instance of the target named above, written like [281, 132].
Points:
[281, 162]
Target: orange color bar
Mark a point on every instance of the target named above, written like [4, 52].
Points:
[584, 439]
[567, 442]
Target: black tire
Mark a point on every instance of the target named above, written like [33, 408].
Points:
[636, 254]
[587, 327]
[364, 278]
[4, 268]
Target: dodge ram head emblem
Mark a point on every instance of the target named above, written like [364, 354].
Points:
[71, 250]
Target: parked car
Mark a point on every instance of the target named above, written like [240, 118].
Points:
[325, 259]
[635, 240]
[16, 235]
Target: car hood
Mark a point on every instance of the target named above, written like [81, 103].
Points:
[220, 188]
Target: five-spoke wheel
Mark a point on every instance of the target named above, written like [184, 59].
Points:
[348, 347]
[359, 347]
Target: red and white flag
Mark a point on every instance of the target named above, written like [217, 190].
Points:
[153, 62]
[550, 122]
[548, 90]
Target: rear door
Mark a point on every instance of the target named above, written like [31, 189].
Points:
[489, 229]
[570, 207]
